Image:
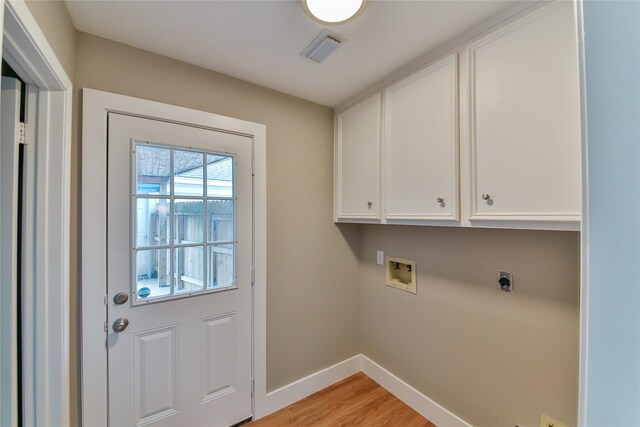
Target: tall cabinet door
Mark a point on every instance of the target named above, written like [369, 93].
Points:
[525, 120]
[358, 162]
[421, 145]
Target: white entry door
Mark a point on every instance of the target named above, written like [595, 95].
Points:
[179, 274]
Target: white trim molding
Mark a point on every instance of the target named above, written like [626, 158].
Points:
[324, 378]
[9, 178]
[310, 384]
[47, 218]
[584, 231]
[96, 106]
[422, 404]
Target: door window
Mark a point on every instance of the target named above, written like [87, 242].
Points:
[184, 222]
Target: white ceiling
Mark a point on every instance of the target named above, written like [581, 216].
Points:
[261, 41]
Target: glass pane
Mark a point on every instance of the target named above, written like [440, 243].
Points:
[221, 266]
[153, 273]
[153, 170]
[189, 274]
[152, 222]
[189, 221]
[220, 213]
[188, 177]
[219, 176]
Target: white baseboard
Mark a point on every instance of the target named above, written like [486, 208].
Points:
[308, 385]
[409, 395]
[315, 382]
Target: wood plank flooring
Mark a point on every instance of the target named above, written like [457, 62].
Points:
[354, 401]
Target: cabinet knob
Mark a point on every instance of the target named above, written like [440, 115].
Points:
[440, 200]
[369, 204]
[485, 196]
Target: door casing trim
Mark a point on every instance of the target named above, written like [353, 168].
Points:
[47, 257]
[96, 106]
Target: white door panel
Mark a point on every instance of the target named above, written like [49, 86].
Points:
[358, 161]
[525, 115]
[185, 357]
[421, 145]
[218, 355]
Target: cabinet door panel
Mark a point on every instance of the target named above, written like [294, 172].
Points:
[358, 161]
[421, 145]
[525, 120]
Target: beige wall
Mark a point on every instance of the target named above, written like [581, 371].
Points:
[311, 265]
[54, 21]
[492, 358]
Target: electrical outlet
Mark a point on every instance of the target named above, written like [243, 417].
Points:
[505, 281]
[547, 421]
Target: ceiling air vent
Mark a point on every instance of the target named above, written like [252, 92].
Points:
[321, 46]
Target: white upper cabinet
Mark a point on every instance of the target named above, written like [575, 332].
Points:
[524, 120]
[358, 162]
[421, 145]
[488, 136]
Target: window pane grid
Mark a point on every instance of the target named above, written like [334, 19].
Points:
[168, 197]
[173, 280]
[185, 245]
[152, 196]
[205, 189]
[201, 247]
[173, 191]
[221, 198]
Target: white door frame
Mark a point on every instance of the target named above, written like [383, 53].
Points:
[584, 226]
[96, 106]
[46, 298]
[9, 178]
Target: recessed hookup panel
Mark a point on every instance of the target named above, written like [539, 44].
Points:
[401, 274]
[547, 421]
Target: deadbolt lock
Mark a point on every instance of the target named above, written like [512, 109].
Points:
[121, 298]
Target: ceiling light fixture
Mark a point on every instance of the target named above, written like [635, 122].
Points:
[333, 11]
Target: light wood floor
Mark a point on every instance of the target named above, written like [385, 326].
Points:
[354, 401]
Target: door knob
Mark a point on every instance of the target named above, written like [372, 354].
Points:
[440, 200]
[369, 204]
[120, 324]
[485, 196]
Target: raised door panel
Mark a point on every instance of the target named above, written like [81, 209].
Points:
[218, 356]
[525, 120]
[155, 361]
[358, 161]
[421, 145]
